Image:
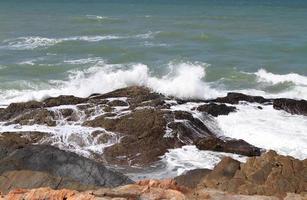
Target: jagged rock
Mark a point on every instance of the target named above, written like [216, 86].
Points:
[62, 164]
[269, 174]
[292, 106]
[235, 98]
[228, 145]
[216, 109]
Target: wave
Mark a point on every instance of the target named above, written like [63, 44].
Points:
[184, 80]
[104, 77]
[264, 76]
[33, 42]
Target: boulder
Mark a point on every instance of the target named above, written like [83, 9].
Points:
[228, 145]
[269, 174]
[235, 98]
[292, 106]
[10, 141]
[62, 164]
[216, 109]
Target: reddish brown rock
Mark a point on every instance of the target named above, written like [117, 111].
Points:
[269, 174]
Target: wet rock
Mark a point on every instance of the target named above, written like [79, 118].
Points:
[269, 174]
[117, 103]
[235, 98]
[228, 145]
[62, 164]
[38, 116]
[216, 109]
[63, 100]
[15, 109]
[142, 141]
[292, 106]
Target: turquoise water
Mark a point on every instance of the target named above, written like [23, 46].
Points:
[78, 47]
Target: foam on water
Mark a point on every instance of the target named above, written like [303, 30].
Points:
[267, 128]
[180, 160]
[264, 76]
[104, 77]
[33, 42]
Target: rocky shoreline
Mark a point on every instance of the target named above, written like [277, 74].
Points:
[134, 127]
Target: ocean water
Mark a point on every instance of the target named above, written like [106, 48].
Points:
[189, 49]
[57, 47]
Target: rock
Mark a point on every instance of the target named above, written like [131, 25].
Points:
[26, 179]
[228, 145]
[11, 141]
[117, 103]
[235, 98]
[269, 174]
[48, 193]
[292, 106]
[63, 100]
[15, 109]
[192, 178]
[38, 116]
[216, 109]
[62, 164]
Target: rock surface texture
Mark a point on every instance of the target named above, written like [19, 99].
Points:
[129, 126]
[270, 174]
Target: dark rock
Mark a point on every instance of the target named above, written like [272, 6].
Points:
[38, 116]
[11, 141]
[192, 178]
[235, 98]
[228, 145]
[292, 106]
[62, 164]
[15, 109]
[216, 109]
[63, 100]
[117, 103]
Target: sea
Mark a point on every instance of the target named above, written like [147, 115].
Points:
[189, 49]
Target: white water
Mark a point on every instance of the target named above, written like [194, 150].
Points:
[33, 42]
[267, 128]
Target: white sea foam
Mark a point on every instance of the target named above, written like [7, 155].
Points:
[32, 42]
[268, 128]
[189, 157]
[264, 76]
[186, 80]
